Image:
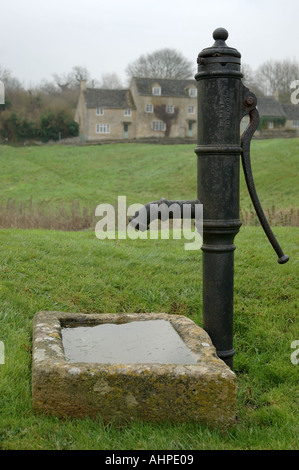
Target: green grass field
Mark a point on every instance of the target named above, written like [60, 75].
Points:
[68, 271]
[94, 175]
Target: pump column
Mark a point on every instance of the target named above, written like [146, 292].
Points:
[218, 151]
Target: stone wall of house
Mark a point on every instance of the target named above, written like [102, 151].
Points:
[81, 113]
[177, 123]
[289, 125]
[120, 126]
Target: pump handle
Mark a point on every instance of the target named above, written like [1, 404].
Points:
[250, 102]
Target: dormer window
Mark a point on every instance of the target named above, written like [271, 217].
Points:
[100, 111]
[156, 90]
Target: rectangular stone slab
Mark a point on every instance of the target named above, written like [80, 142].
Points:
[202, 392]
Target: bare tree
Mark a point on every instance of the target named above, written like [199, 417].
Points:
[110, 81]
[77, 74]
[48, 88]
[11, 83]
[71, 80]
[250, 80]
[277, 76]
[62, 81]
[163, 63]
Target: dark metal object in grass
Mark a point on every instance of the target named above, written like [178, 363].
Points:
[223, 101]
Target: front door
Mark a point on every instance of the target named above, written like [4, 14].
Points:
[126, 131]
[190, 129]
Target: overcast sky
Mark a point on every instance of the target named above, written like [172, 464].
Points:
[39, 38]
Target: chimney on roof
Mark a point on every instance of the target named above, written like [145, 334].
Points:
[83, 85]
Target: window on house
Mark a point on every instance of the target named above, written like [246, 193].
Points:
[156, 90]
[296, 123]
[191, 109]
[169, 108]
[192, 92]
[103, 128]
[149, 108]
[159, 126]
[100, 111]
[128, 112]
[270, 125]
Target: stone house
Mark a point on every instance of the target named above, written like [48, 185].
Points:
[292, 116]
[275, 116]
[105, 114]
[163, 108]
[272, 115]
[150, 108]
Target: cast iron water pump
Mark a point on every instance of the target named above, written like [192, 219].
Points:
[223, 101]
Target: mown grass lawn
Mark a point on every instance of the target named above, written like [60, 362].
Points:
[51, 270]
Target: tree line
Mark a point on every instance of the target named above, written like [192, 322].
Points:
[46, 111]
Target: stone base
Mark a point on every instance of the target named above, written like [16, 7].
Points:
[203, 392]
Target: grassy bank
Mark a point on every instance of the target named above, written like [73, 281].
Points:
[59, 186]
[48, 270]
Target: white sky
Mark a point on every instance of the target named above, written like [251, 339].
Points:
[39, 38]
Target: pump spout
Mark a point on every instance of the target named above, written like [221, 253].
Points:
[162, 210]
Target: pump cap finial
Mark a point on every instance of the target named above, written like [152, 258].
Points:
[220, 34]
[219, 47]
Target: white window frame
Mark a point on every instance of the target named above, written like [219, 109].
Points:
[158, 126]
[296, 123]
[128, 112]
[103, 128]
[100, 111]
[271, 125]
[156, 90]
[192, 92]
[191, 109]
[149, 108]
[169, 108]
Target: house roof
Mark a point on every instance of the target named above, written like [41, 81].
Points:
[100, 98]
[269, 106]
[291, 111]
[169, 87]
